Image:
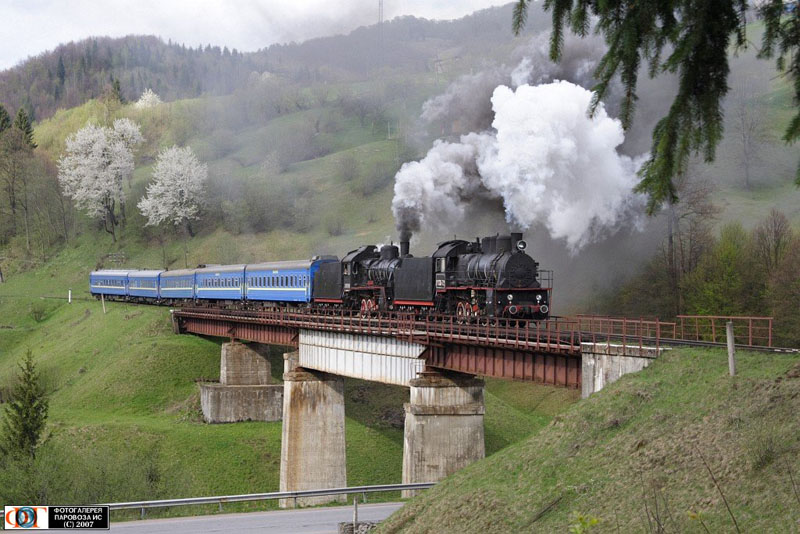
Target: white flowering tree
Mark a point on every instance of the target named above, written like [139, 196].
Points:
[92, 169]
[178, 189]
[148, 99]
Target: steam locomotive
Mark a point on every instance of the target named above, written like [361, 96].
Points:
[491, 277]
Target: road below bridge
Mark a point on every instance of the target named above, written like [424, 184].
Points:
[305, 521]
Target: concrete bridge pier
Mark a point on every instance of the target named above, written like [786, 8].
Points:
[312, 442]
[244, 392]
[443, 427]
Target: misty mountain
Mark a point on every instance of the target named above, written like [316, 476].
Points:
[78, 71]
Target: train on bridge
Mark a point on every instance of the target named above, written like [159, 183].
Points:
[492, 277]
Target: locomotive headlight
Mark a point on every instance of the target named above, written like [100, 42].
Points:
[510, 297]
[538, 298]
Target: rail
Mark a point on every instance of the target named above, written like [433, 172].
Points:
[222, 499]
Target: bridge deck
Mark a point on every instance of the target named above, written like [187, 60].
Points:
[553, 336]
[546, 351]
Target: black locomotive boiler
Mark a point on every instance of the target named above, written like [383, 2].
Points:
[493, 277]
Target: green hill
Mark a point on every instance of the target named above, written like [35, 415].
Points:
[659, 451]
[124, 418]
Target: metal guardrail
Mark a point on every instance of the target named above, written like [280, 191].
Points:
[221, 499]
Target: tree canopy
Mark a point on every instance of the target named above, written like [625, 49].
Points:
[178, 188]
[689, 38]
[96, 161]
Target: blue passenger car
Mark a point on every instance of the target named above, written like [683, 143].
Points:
[143, 284]
[220, 282]
[109, 282]
[282, 281]
[177, 284]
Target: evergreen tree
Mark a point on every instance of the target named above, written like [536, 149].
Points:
[117, 90]
[24, 124]
[61, 71]
[5, 119]
[690, 38]
[26, 414]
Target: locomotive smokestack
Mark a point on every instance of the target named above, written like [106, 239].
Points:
[503, 244]
[405, 237]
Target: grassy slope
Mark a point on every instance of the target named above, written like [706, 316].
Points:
[124, 397]
[635, 446]
[125, 409]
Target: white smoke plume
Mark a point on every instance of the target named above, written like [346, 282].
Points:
[466, 101]
[545, 158]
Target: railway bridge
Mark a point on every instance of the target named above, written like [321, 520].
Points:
[439, 358]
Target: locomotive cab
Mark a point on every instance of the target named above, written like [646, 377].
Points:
[368, 276]
[353, 274]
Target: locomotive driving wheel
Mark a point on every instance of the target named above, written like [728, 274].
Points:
[368, 307]
[462, 312]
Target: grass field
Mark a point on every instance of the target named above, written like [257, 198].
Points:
[634, 457]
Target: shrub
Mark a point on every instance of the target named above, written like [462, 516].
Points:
[334, 225]
[38, 311]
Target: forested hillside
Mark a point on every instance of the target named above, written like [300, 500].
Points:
[78, 71]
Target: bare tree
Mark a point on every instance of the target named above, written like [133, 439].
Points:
[749, 127]
[348, 167]
[689, 233]
[320, 92]
[14, 153]
[771, 239]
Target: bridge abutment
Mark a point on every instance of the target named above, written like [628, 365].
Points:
[312, 442]
[604, 363]
[443, 427]
[244, 392]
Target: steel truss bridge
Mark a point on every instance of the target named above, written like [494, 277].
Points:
[548, 352]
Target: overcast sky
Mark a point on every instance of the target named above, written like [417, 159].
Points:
[29, 27]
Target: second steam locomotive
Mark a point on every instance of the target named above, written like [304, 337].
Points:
[489, 277]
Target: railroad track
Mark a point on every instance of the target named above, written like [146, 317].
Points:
[690, 343]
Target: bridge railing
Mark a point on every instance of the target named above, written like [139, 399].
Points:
[628, 331]
[748, 331]
[557, 334]
[752, 331]
[552, 335]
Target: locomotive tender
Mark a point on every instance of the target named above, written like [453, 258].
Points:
[491, 277]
